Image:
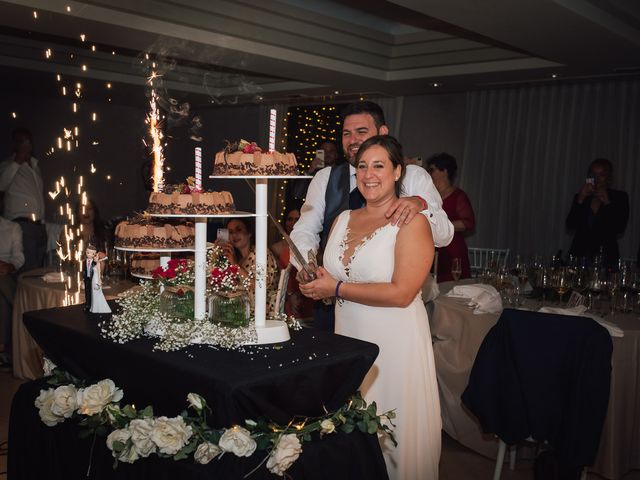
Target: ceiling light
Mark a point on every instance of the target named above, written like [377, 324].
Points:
[554, 76]
[436, 85]
[336, 92]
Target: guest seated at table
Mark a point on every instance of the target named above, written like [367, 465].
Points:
[598, 215]
[11, 259]
[241, 251]
[376, 269]
[296, 304]
[442, 168]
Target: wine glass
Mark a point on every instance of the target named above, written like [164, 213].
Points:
[456, 269]
[561, 280]
[596, 286]
[613, 284]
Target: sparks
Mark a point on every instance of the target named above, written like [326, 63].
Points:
[82, 36]
[35, 14]
[47, 53]
[93, 168]
[156, 135]
[94, 116]
[14, 114]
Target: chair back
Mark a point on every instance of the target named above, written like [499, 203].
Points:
[281, 296]
[481, 258]
[543, 376]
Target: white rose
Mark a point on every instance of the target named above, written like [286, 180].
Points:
[128, 453]
[286, 452]
[327, 426]
[93, 399]
[64, 401]
[140, 430]
[196, 401]
[170, 434]
[238, 441]
[206, 452]
[43, 403]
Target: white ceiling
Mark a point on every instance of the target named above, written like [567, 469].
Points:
[248, 50]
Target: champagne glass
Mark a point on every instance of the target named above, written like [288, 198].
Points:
[456, 269]
[561, 281]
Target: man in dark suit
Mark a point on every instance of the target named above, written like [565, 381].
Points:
[87, 274]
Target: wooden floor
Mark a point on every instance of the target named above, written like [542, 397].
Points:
[456, 463]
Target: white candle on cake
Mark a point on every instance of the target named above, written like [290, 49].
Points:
[272, 129]
[199, 168]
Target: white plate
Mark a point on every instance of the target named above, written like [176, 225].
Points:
[168, 250]
[292, 177]
[144, 276]
[194, 215]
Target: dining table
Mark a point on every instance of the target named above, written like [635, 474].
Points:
[304, 378]
[458, 332]
[36, 290]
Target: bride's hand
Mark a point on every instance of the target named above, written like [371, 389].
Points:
[323, 286]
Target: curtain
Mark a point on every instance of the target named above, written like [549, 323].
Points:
[393, 108]
[526, 154]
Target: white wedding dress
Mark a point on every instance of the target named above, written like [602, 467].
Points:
[98, 302]
[403, 376]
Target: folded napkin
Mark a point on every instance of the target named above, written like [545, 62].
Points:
[580, 311]
[483, 298]
[54, 277]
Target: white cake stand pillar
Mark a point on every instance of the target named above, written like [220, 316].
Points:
[199, 302]
[269, 331]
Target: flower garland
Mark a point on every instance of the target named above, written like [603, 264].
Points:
[133, 434]
[139, 313]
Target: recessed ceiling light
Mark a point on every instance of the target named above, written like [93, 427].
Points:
[554, 76]
[436, 84]
[336, 92]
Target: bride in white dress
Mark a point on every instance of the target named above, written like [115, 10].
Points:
[98, 302]
[377, 270]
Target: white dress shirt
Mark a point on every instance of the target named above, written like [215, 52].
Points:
[22, 184]
[11, 243]
[416, 182]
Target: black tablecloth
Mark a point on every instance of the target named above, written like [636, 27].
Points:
[299, 377]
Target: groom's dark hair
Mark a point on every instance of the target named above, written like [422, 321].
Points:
[394, 151]
[367, 107]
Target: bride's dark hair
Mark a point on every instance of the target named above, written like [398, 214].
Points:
[394, 151]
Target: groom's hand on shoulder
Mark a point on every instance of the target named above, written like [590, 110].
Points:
[403, 209]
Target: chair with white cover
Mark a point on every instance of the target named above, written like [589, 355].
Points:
[281, 296]
[480, 258]
[543, 377]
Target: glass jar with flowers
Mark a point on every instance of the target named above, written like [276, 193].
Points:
[229, 301]
[177, 279]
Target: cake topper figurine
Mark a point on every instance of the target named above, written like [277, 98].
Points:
[94, 300]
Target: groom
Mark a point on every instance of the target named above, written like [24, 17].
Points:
[87, 275]
[333, 190]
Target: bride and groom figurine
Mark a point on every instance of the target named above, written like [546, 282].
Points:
[94, 300]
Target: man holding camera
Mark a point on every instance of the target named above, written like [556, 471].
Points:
[598, 215]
